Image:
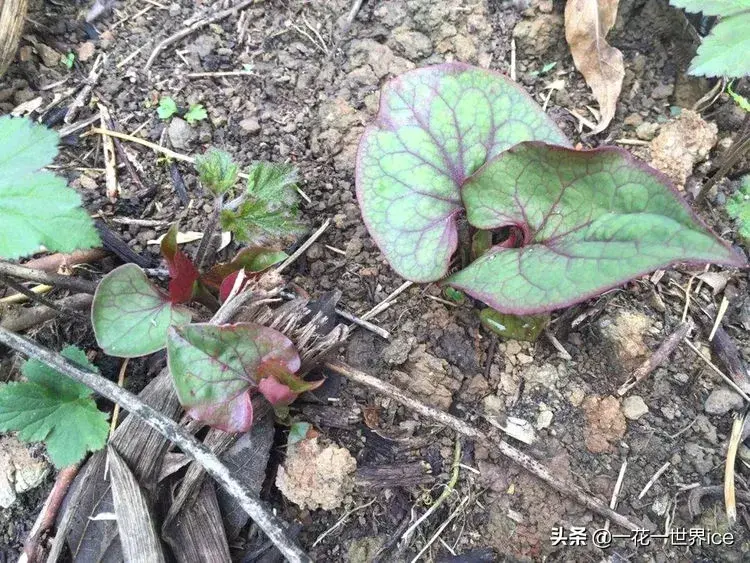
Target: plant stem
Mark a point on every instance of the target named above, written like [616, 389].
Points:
[40, 276]
[208, 232]
[273, 527]
[32, 549]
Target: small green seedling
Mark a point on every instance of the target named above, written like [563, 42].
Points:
[216, 369]
[52, 408]
[544, 70]
[268, 208]
[167, 108]
[68, 60]
[195, 113]
[36, 206]
[739, 99]
[456, 141]
[723, 52]
[217, 171]
[738, 208]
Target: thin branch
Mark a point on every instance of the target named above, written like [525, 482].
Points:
[514, 454]
[273, 527]
[658, 358]
[40, 299]
[40, 276]
[197, 25]
[32, 316]
[307, 244]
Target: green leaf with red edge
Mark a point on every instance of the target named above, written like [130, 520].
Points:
[216, 369]
[253, 259]
[436, 126]
[130, 315]
[590, 220]
[182, 272]
[280, 386]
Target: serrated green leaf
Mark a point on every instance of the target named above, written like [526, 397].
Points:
[273, 183]
[214, 369]
[131, 316]
[196, 113]
[36, 207]
[270, 206]
[590, 221]
[738, 208]
[255, 222]
[712, 7]
[167, 108]
[216, 170]
[37, 372]
[436, 126]
[53, 408]
[724, 52]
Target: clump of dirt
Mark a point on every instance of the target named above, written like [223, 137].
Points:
[316, 476]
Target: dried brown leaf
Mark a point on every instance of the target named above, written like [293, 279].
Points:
[587, 23]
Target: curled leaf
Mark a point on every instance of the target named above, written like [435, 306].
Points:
[254, 259]
[280, 386]
[587, 23]
[215, 369]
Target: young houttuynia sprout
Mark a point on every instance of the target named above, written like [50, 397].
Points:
[453, 140]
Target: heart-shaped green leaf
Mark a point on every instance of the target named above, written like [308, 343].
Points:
[591, 220]
[215, 369]
[130, 315]
[435, 127]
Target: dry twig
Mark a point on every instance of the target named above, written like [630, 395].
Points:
[514, 454]
[657, 358]
[218, 16]
[40, 276]
[32, 549]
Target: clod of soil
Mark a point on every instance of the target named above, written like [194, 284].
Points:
[605, 423]
[681, 144]
[314, 476]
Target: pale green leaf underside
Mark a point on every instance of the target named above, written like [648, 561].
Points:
[595, 220]
[435, 127]
[712, 7]
[55, 409]
[724, 51]
[131, 316]
[36, 208]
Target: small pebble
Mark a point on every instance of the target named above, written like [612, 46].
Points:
[722, 400]
[634, 407]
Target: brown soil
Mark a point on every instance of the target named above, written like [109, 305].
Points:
[312, 85]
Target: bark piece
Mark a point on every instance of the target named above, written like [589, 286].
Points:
[138, 537]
